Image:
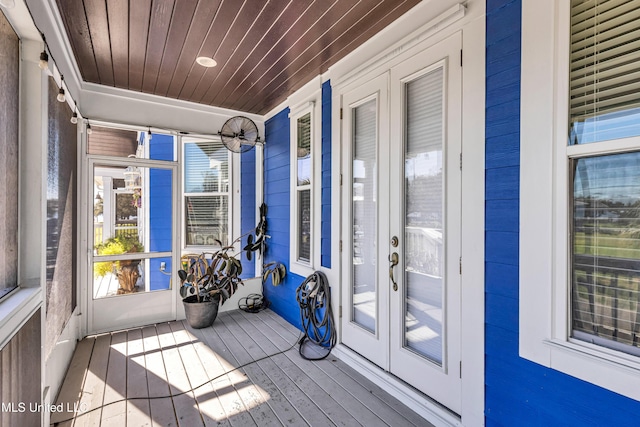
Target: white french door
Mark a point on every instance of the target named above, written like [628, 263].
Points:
[402, 221]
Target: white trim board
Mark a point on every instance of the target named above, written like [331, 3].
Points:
[544, 288]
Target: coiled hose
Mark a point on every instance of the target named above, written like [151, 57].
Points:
[316, 317]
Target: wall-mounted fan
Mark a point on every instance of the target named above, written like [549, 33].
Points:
[239, 134]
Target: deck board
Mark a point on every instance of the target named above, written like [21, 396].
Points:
[310, 413]
[284, 412]
[250, 396]
[326, 402]
[162, 411]
[71, 390]
[138, 411]
[93, 390]
[383, 400]
[280, 389]
[115, 411]
[186, 406]
[195, 364]
[327, 376]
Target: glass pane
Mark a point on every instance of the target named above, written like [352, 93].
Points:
[207, 220]
[304, 150]
[130, 143]
[113, 278]
[206, 167]
[604, 84]
[129, 220]
[605, 293]
[364, 310]
[304, 224]
[424, 216]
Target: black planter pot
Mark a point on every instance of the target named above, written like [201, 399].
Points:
[200, 314]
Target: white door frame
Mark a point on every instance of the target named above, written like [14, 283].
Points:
[135, 309]
[349, 75]
[383, 346]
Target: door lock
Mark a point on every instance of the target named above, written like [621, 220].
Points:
[393, 259]
[394, 241]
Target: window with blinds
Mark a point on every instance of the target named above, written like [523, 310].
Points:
[303, 188]
[605, 207]
[605, 71]
[206, 193]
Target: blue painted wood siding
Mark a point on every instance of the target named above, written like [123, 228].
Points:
[277, 190]
[519, 392]
[161, 147]
[325, 234]
[248, 219]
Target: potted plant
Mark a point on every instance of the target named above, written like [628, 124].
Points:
[207, 281]
[125, 270]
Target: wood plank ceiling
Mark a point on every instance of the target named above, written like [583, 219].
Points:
[265, 49]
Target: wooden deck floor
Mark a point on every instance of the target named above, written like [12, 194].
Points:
[171, 359]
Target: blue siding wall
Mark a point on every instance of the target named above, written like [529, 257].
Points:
[325, 234]
[519, 392]
[247, 205]
[161, 147]
[276, 175]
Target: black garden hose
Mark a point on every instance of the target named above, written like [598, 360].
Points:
[316, 316]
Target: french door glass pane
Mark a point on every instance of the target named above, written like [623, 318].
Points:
[424, 216]
[364, 215]
[605, 294]
[131, 216]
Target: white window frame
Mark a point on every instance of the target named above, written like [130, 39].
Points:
[231, 207]
[311, 107]
[544, 299]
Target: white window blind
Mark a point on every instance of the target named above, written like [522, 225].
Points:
[304, 150]
[206, 191]
[206, 167]
[424, 220]
[605, 71]
[364, 208]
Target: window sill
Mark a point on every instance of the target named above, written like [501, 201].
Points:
[16, 309]
[300, 269]
[612, 372]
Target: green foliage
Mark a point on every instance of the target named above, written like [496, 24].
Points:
[114, 246]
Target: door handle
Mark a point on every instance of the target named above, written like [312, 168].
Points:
[393, 259]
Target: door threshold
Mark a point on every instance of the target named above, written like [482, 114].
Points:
[420, 403]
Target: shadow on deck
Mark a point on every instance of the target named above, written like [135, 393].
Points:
[172, 375]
